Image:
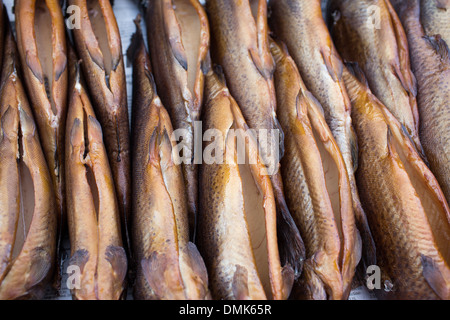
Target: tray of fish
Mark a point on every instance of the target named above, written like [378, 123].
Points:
[224, 149]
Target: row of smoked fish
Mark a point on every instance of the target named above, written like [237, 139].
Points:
[362, 104]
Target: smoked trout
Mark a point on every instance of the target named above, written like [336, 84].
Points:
[168, 265]
[406, 209]
[300, 25]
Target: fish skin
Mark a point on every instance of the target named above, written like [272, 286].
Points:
[320, 67]
[94, 229]
[435, 17]
[382, 53]
[313, 210]
[168, 266]
[49, 111]
[109, 99]
[240, 46]
[223, 231]
[2, 28]
[406, 209]
[169, 62]
[26, 275]
[430, 61]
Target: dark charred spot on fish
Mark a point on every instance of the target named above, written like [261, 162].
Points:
[86, 137]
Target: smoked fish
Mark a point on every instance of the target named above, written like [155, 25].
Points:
[240, 46]
[98, 44]
[178, 39]
[168, 266]
[317, 186]
[237, 223]
[370, 33]
[430, 60]
[300, 25]
[97, 254]
[28, 220]
[41, 40]
[405, 206]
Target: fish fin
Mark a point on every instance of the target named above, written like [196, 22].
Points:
[333, 63]
[277, 126]
[173, 30]
[288, 276]
[158, 271]
[239, 284]
[206, 64]
[117, 257]
[439, 45]
[94, 130]
[403, 69]
[434, 278]
[354, 69]
[27, 124]
[79, 258]
[197, 265]
[7, 121]
[420, 151]
[310, 286]
[76, 133]
[354, 150]
[290, 242]
[265, 68]
[34, 64]
[153, 152]
[39, 269]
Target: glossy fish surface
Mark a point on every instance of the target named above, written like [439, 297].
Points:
[41, 40]
[28, 220]
[93, 212]
[317, 187]
[240, 46]
[430, 60]
[98, 44]
[168, 266]
[370, 33]
[237, 222]
[405, 207]
[178, 39]
[300, 25]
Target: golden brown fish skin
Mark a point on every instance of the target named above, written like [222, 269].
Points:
[407, 211]
[168, 265]
[226, 238]
[93, 212]
[104, 73]
[240, 45]
[300, 25]
[430, 60]
[382, 53]
[435, 17]
[46, 83]
[181, 92]
[24, 271]
[2, 29]
[306, 190]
